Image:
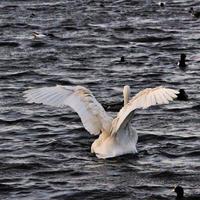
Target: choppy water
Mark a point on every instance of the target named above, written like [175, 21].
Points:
[45, 152]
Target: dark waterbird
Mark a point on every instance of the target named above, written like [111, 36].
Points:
[162, 4]
[180, 194]
[32, 15]
[182, 65]
[122, 59]
[182, 96]
[102, 5]
[194, 13]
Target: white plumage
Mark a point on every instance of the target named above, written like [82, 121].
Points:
[116, 136]
[38, 35]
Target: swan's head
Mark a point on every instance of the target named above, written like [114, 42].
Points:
[126, 93]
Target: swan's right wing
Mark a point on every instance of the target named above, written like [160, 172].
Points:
[92, 114]
[144, 99]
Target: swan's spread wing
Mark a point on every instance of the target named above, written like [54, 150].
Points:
[144, 99]
[92, 114]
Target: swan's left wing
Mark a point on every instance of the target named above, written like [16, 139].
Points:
[144, 99]
[92, 114]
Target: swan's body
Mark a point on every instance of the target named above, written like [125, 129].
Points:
[116, 136]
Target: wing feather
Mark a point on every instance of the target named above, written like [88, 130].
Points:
[167, 96]
[80, 99]
[144, 99]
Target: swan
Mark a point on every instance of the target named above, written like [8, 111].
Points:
[116, 136]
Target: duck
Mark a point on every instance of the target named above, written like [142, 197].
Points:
[181, 63]
[122, 59]
[180, 194]
[102, 5]
[161, 4]
[116, 135]
[32, 15]
[37, 35]
[182, 96]
[194, 13]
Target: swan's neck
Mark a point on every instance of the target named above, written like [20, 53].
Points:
[126, 93]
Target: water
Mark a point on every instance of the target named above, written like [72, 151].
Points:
[44, 151]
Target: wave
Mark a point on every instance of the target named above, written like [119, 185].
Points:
[9, 44]
[153, 39]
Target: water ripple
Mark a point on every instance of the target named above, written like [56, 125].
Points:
[45, 152]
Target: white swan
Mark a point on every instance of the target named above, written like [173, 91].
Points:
[116, 136]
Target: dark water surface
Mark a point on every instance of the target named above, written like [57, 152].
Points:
[44, 151]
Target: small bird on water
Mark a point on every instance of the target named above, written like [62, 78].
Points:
[182, 65]
[182, 96]
[194, 13]
[180, 194]
[37, 35]
[162, 4]
[122, 59]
